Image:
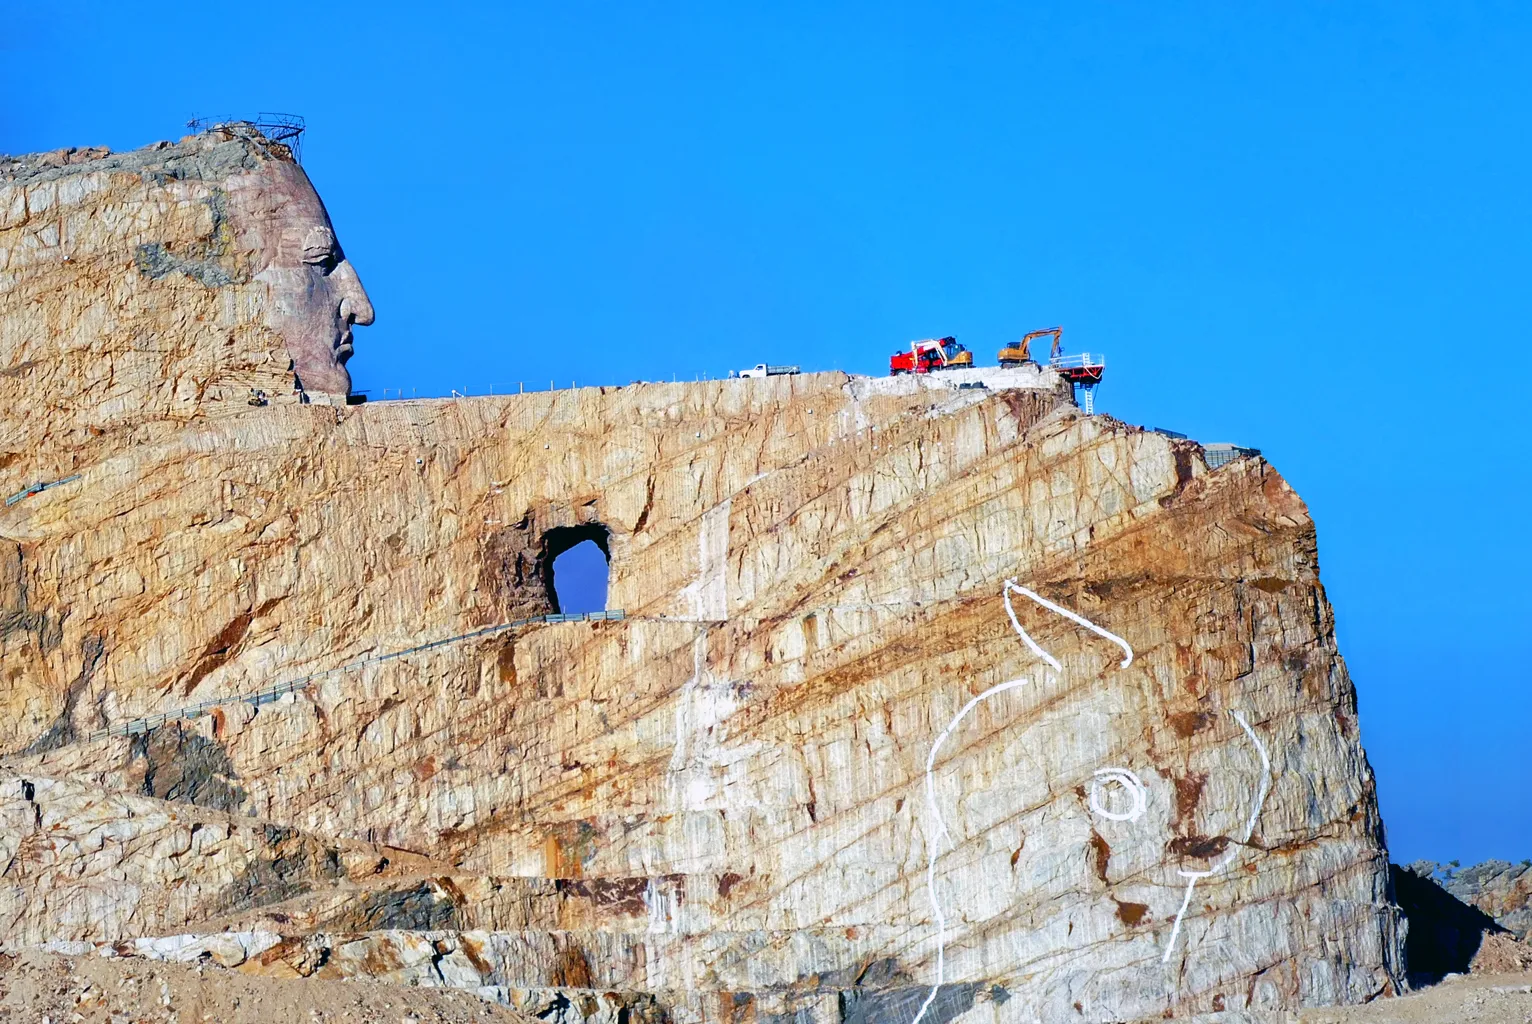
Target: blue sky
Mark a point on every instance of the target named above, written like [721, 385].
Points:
[1298, 226]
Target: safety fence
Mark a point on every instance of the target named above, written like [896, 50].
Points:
[1223, 454]
[1078, 361]
[38, 488]
[140, 726]
[521, 387]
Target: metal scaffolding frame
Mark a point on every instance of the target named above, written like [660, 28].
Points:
[267, 126]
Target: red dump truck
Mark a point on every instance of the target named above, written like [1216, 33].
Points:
[928, 355]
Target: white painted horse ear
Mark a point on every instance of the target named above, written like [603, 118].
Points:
[1012, 585]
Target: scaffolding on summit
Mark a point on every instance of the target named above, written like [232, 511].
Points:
[267, 126]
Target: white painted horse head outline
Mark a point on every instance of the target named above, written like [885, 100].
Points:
[1123, 778]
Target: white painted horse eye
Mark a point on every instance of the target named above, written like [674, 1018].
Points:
[1126, 781]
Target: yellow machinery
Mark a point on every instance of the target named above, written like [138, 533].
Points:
[1021, 352]
[928, 355]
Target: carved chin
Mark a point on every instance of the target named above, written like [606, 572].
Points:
[339, 382]
[325, 374]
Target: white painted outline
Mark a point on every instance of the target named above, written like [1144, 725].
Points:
[1128, 781]
[1011, 585]
[934, 845]
[1193, 877]
[941, 833]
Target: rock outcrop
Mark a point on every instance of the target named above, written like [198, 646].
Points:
[829, 764]
[1498, 888]
[1465, 919]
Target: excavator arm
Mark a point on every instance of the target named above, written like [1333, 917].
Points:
[1021, 352]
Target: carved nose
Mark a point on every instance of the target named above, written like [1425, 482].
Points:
[358, 309]
[355, 307]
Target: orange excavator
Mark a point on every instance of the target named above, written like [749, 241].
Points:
[1021, 352]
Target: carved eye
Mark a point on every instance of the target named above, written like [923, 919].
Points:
[320, 249]
[325, 259]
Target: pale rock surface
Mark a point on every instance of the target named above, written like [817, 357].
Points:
[716, 808]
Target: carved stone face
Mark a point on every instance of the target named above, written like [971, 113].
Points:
[316, 296]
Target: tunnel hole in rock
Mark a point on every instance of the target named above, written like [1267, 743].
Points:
[576, 567]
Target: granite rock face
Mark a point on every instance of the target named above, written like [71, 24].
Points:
[828, 758]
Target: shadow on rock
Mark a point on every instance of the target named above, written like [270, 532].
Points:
[1444, 932]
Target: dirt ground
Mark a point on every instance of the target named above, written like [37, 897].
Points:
[41, 987]
[1476, 999]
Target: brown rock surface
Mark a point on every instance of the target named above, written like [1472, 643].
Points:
[1502, 953]
[717, 807]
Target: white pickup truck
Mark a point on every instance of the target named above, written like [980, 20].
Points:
[762, 370]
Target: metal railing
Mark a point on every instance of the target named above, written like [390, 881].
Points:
[1222, 455]
[520, 387]
[1078, 361]
[140, 726]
